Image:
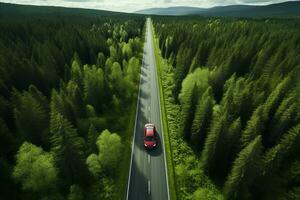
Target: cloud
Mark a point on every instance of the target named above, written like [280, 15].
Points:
[133, 5]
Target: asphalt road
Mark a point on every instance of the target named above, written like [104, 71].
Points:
[148, 178]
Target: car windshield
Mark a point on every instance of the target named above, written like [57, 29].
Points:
[149, 138]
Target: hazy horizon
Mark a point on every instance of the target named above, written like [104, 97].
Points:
[135, 5]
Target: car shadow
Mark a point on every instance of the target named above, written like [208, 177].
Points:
[158, 150]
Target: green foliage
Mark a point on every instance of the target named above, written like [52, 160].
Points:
[204, 194]
[32, 164]
[61, 80]
[110, 148]
[31, 118]
[245, 169]
[68, 149]
[255, 126]
[213, 151]
[94, 164]
[94, 87]
[203, 115]
[91, 139]
[76, 193]
[226, 83]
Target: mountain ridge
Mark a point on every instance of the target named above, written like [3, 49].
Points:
[289, 8]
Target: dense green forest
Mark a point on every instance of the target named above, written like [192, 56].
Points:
[232, 94]
[68, 87]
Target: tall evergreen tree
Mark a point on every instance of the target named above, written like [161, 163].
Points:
[212, 147]
[203, 116]
[68, 149]
[246, 167]
[187, 112]
[255, 126]
[31, 119]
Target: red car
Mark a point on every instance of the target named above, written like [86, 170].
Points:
[150, 138]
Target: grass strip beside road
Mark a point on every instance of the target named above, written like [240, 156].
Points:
[121, 184]
[169, 160]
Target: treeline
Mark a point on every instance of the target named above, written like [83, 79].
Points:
[236, 84]
[67, 84]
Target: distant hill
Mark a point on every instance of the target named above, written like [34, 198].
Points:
[291, 8]
[180, 10]
[7, 9]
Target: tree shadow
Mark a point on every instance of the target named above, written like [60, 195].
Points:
[144, 94]
[138, 188]
[144, 74]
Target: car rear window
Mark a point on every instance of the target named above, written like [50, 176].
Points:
[149, 138]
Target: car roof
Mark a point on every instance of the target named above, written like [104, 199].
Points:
[149, 132]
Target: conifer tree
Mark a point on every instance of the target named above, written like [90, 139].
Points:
[181, 70]
[187, 112]
[276, 160]
[92, 138]
[94, 87]
[255, 126]
[31, 119]
[76, 73]
[101, 60]
[212, 146]
[246, 167]
[75, 96]
[203, 116]
[68, 149]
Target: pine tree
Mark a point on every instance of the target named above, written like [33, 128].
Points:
[203, 116]
[92, 138]
[31, 119]
[255, 126]
[212, 145]
[187, 112]
[232, 145]
[61, 104]
[127, 51]
[284, 152]
[101, 60]
[275, 162]
[181, 70]
[68, 150]
[284, 118]
[75, 97]
[246, 167]
[94, 87]
[76, 73]
[276, 96]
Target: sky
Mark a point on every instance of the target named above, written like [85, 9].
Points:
[134, 5]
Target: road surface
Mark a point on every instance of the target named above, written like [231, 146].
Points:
[147, 176]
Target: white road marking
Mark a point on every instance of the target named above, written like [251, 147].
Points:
[163, 142]
[148, 158]
[149, 187]
[149, 108]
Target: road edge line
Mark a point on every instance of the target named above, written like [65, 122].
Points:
[136, 115]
